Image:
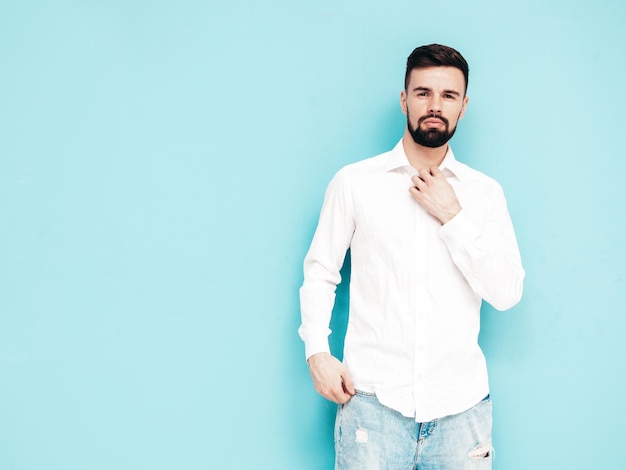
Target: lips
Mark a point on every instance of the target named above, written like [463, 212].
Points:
[434, 121]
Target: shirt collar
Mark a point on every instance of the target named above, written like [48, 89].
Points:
[449, 166]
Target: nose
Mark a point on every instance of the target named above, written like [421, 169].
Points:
[434, 105]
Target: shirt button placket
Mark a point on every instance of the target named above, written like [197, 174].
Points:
[418, 296]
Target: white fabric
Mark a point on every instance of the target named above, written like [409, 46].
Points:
[416, 286]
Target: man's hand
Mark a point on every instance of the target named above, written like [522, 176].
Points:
[331, 378]
[433, 192]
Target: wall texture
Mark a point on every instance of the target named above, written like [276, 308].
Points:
[162, 165]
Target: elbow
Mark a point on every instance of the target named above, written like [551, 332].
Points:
[505, 303]
[507, 298]
[506, 288]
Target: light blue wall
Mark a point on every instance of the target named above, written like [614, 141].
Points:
[162, 165]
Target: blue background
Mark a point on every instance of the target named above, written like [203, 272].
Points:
[162, 167]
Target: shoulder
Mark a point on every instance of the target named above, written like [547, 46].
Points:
[351, 179]
[473, 177]
[363, 168]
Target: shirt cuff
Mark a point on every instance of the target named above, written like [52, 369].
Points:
[312, 347]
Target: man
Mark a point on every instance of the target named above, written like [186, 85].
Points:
[429, 239]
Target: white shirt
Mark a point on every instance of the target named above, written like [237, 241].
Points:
[416, 286]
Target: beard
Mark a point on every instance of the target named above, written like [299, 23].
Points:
[431, 138]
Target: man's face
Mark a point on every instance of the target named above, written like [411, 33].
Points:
[433, 103]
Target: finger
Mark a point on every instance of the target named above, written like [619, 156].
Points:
[425, 173]
[348, 385]
[332, 393]
[345, 398]
[435, 171]
[417, 180]
[416, 193]
[337, 394]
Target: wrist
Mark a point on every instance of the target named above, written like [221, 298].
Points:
[449, 215]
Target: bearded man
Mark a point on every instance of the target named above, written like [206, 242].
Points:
[430, 238]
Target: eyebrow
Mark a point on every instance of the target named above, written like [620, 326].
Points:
[423, 88]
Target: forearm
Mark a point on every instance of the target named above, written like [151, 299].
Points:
[322, 267]
[488, 258]
[317, 297]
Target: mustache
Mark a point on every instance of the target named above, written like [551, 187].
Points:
[432, 116]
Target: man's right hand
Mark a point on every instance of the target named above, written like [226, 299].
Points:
[331, 378]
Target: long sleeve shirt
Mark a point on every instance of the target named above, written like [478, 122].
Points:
[416, 286]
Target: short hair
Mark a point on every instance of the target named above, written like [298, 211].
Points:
[435, 55]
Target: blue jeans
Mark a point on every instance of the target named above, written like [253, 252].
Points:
[370, 436]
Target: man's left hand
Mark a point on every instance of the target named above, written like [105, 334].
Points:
[433, 192]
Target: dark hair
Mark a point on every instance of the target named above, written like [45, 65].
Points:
[435, 55]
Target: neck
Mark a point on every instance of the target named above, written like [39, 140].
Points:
[420, 156]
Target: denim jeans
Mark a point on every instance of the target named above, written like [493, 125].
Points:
[370, 436]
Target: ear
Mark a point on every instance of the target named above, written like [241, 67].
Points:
[403, 101]
[465, 101]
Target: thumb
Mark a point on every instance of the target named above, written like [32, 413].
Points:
[348, 386]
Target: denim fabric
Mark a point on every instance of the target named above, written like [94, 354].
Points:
[370, 436]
